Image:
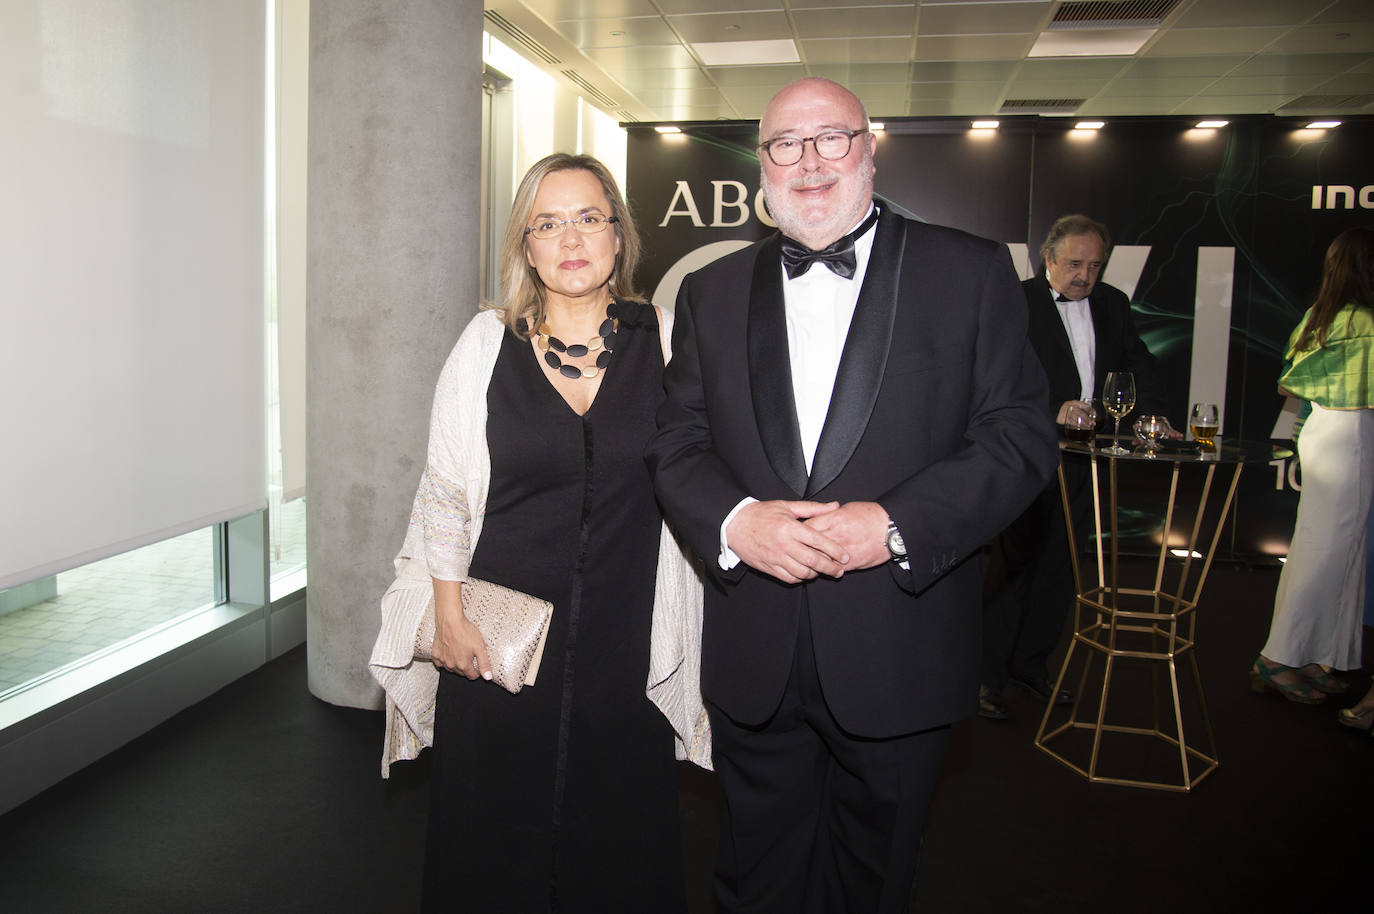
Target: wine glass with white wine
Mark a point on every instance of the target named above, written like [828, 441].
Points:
[1118, 399]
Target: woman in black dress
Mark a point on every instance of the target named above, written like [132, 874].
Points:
[561, 797]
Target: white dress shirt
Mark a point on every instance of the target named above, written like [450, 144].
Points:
[819, 306]
[1078, 324]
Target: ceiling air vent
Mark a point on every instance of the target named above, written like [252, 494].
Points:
[592, 92]
[1041, 105]
[522, 38]
[1112, 14]
[1350, 103]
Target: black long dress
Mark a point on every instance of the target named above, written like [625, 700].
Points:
[563, 797]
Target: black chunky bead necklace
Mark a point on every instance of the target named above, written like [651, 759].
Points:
[602, 344]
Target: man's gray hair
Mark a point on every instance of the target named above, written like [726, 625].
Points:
[1074, 224]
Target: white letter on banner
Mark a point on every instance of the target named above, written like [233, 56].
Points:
[738, 204]
[761, 210]
[1367, 197]
[1216, 269]
[1339, 192]
[1126, 266]
[1020, 259]
[683, 193]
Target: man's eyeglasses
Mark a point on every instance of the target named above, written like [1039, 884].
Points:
[586, 224]
[831, 145]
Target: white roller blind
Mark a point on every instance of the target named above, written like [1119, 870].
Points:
[131, 274]
[293, 81]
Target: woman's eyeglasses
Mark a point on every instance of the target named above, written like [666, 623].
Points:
[586, 224]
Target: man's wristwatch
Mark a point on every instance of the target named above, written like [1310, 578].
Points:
[896, 546]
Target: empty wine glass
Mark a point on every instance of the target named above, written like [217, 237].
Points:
[1204, 425]
[1118, 399]
[1150, 431]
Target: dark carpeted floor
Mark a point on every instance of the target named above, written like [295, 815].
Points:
[262, 798]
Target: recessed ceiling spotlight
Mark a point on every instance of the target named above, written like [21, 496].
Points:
[1089, 125]
[1211, 125]
[876, 126]
[668, 129]
[1323, 125]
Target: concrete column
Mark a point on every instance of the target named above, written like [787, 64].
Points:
[394, 197]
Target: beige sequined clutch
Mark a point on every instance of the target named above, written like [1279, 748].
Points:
[513, 625]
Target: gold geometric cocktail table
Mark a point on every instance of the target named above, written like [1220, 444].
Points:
[1166, 742]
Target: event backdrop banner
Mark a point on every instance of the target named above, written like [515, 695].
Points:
[1218, 238]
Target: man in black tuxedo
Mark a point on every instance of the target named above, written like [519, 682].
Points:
[852, 410]
[1081, 329]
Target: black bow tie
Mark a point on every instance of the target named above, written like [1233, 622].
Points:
[797, 258]
[1060, 297]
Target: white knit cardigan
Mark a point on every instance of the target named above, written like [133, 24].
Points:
[458, 439]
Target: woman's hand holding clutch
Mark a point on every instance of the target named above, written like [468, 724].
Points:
[458, 645]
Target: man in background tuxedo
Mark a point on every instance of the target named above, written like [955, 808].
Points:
[1081, 329]
[852, 410]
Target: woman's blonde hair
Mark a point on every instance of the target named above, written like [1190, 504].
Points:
[523, 293]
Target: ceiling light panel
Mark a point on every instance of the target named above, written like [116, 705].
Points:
[1106, 43]
[746, 53]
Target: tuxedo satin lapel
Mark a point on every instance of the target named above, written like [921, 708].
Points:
[1105, 354]
[770, 370]
[1102, 318]
[1046, 317]
[864, 360]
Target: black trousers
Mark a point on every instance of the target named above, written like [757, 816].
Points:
[818, 820]
[1028, 587]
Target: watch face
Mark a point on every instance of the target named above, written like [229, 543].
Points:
[895, 544]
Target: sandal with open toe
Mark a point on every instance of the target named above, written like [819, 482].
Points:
[1323, 680]
[1360, 720]
[1262, 680]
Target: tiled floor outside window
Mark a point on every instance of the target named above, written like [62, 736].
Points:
[106, 602]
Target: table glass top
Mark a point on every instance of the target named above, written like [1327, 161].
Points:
[1232, 450]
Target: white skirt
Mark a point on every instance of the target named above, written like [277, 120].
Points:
[1319, 605]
